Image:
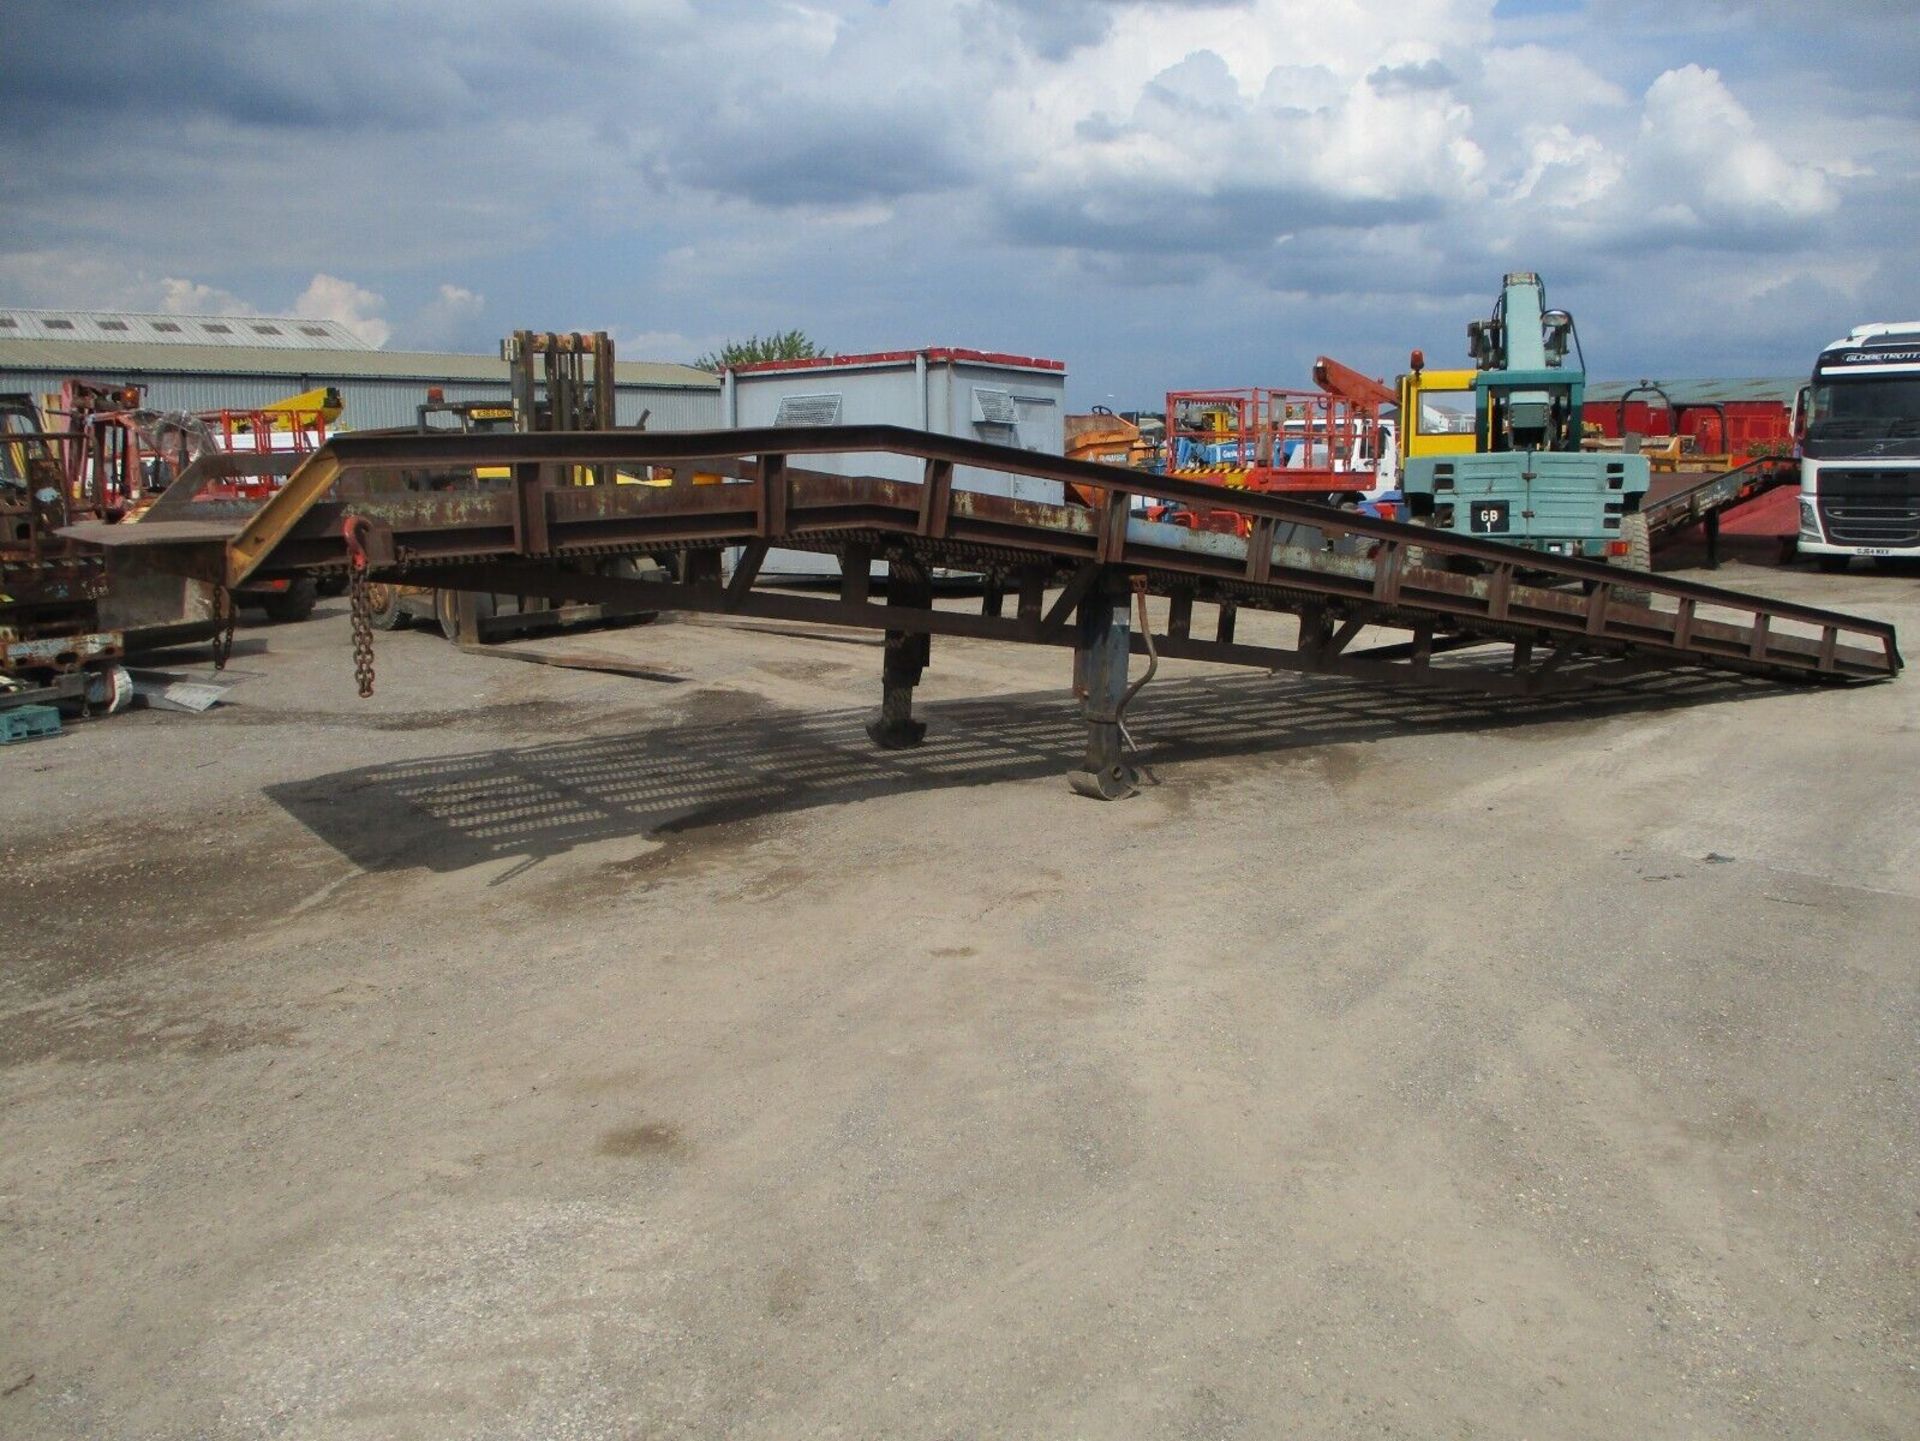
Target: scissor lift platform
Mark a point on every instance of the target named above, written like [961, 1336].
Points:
[1473, 614]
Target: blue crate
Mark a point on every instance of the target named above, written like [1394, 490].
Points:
[28, 722]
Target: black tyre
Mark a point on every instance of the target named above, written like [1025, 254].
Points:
[446, 610]
[629, 567]
[1414, 557]
[294, 603]
[384, 611]
[1639, 557]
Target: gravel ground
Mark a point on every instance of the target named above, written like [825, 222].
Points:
[537, 1051]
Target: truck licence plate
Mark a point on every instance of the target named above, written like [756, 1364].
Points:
[1487, 517]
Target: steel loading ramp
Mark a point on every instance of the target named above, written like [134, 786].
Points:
[1062, 575]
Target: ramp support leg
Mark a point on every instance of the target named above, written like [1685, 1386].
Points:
[907, 653]
[1100, 678]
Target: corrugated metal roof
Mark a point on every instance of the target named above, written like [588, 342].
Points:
[1702, 392]
[134, 359]
[934, 355]
[267, 332]
[376, 403]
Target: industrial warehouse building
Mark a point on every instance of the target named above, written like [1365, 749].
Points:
[215, 362]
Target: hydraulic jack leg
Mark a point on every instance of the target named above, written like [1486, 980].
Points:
[894, 728]
[1100, 679]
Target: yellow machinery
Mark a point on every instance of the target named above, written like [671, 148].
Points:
[1436, 411]
[1107, 439]
[303, 410]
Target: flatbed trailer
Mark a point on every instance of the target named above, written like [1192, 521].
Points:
[1054, 574]
[1679, 499]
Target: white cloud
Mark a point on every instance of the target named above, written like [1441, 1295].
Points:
[1565, 171]
[191, 297]
[59, 278]
[327, 297]
[449, 321]
[666, 345]
[1702, 148]
[459, 299]
[69, 278]
[882, 174]
[1543, 84]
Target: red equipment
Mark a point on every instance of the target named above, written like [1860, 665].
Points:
[1739, 427]
[1337, 379]
[1722, 453]
[1328, 443]
[122, 455]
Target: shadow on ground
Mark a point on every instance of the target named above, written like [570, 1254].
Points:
[1688, 551]
[537, 801]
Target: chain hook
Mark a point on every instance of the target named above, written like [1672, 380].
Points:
[354, 531]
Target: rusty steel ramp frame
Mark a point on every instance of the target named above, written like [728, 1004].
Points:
[1521, 623]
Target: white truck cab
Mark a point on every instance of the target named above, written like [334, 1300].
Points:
[1858, 421]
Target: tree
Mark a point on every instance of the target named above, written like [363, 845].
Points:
[793, 345]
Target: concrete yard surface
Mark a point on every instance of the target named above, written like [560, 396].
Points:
[625, 1048]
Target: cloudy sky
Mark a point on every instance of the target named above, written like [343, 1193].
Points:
[1162, 193]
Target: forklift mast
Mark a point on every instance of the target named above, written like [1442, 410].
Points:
[1529, 397]
[573, 388]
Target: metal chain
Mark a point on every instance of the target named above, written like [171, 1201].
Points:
[225, 608]
[362, 620]
[1153, 666]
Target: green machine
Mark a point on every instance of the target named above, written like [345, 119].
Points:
[1527, 481]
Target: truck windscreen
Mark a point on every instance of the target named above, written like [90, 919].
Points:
[1877, 405]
